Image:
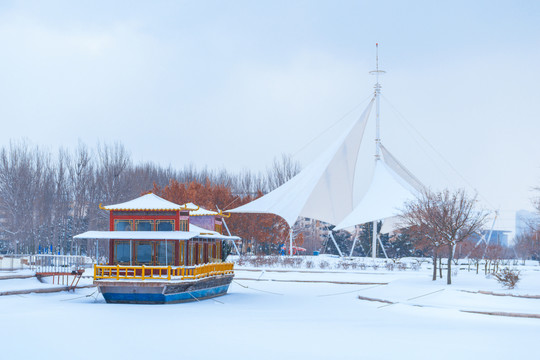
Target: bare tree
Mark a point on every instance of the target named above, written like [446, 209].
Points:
[446, 218]
[281, 171]
[20, 179]
[113, 163]
[527, 245]
[45, 199]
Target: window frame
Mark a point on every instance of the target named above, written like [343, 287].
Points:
[157, 222]
[116, 221]
[138, 221]
[122, 242]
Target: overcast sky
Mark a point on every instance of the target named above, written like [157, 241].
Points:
[235, 83]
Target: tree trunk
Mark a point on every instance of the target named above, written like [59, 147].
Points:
[449, 270]
[434, 266]
[440, 267]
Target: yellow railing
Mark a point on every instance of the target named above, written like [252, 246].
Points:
[120, 272]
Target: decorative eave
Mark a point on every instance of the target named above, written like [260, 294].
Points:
[220, 213]
[205, 212]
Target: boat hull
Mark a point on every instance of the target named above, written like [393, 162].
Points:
[163, 292]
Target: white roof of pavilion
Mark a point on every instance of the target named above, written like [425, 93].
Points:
[146, 202]
[324, 189]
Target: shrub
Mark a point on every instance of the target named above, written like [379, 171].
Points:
[507, 277]
[389, 266]
[287, 261]
[297, 262]
[241, 261]
[362, 266]
[309, 264]
[344, 265]
[375, 266]
[324, 264]
[401, 266]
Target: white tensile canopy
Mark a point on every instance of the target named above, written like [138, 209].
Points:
[382, 199]
[324, 189]
[391, 186]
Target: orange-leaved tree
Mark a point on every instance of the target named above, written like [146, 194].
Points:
[264, 231]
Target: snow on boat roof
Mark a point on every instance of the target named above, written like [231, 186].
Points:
[146, 202]
[196, 232]
[137, 235]
[200, 212]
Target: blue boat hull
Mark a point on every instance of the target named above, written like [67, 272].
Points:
[163, 292]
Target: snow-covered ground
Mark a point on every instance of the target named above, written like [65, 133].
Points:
[279, 313]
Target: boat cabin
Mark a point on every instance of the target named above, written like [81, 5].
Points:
[152, 231]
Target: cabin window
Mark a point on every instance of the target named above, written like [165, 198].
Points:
[191, 253]
[165, 251]
[165, 225]
[184, 225]
[182, 245]
[123, 225]
[144, 225]
[121, 252]
[144, 252]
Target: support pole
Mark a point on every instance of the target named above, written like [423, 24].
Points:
[374, 241]
[354, 243]
[335, 243]
[233, 242]
[290, 240]
[228, 232]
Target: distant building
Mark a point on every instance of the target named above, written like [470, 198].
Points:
[498, 237]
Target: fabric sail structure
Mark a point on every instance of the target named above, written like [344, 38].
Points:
[391, 186]
[324, 189]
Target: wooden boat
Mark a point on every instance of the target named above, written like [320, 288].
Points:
[162, 285]
[157, 257]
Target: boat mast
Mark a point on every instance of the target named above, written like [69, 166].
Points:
[377, 87]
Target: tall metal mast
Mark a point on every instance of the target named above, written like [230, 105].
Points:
[377, 87]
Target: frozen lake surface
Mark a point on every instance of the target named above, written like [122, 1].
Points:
[282, 315]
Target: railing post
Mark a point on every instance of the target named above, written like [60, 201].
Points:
[142, 273]
[95, 271]
[117, 272]
[169, 273]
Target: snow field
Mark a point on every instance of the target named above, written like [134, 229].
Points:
[282, 316]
